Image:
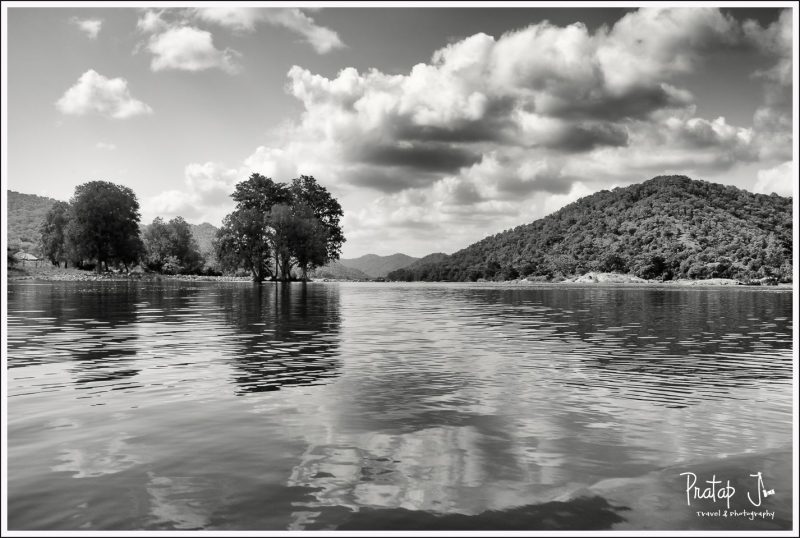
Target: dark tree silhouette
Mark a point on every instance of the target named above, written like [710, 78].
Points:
[277, 227]
[104, 224]
[54, 238]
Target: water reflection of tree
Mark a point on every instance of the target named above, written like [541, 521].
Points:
[88, 324]
[286, 334]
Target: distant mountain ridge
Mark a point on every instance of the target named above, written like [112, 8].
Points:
[204, 234]
[667, 227]
[335, 270]
[376, 266]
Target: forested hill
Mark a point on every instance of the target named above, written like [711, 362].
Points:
[378, 266]
[25, 215]
[667, 227]
[27, 211]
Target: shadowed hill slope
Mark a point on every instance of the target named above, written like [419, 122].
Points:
[667, 227]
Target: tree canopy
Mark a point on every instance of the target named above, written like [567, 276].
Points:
[170, 247]
[104, 223]
[53, 233]
[276, 228]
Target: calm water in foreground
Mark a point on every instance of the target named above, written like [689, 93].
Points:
[231, 406]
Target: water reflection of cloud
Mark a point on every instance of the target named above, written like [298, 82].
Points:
[181, 502]
[505, 409]
[97, 459]
[439, 470]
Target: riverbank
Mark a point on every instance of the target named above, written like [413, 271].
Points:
[616, 278]
[49, 273]
[59, 274]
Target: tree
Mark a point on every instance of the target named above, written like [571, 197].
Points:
[282, 226]
[157, 244]
[310, 195]
[243, 241]
[172, 241]
[54, 239]
[309, 240]
[104, 224]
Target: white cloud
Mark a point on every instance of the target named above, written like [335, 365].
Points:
[241, 19]
[189, 49]
[244, 19]
[779, 179]
[91, 27]
[205, 198]
[494, 132]
[151, 22]
[322, 39]
[107, 146]
[96, 94]
[775, 40]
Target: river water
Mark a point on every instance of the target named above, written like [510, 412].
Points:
[233, 406]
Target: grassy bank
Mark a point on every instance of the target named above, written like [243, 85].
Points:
[51, 273]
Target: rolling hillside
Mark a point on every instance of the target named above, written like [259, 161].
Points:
[25, 215]
[335, 270]
[376, 266]
[667, 227]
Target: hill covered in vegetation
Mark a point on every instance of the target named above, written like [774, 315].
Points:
[665, 228]
[335, 270]
[25, 215]
[376, 266]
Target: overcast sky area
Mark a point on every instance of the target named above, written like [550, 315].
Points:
[434, 127]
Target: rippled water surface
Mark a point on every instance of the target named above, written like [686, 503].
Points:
[232, 406]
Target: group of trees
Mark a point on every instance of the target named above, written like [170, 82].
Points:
[278, 231]
[666, 228]
[170, 248]
[277, 227]
[99, 226]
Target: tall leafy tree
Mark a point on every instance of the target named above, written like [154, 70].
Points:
[104, 224]
[277, 227]
[320, 236]
[54, 238]
[244, 241]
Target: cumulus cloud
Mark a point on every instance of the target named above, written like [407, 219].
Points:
[151, 22]
[492, 131]
[322, 39]
[549, 89]
[204, 198]
[96, 94]
[774, 40]
[91, 27]
[189, 49]
[779, 180]
[244, 19]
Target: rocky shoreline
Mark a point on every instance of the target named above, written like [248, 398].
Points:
[592, 278]
[76, 275]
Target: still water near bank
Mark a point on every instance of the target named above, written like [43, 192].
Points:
[174, 405]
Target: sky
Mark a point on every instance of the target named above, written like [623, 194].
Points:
[433, 127]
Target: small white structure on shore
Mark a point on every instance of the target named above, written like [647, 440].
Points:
[27, 257]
